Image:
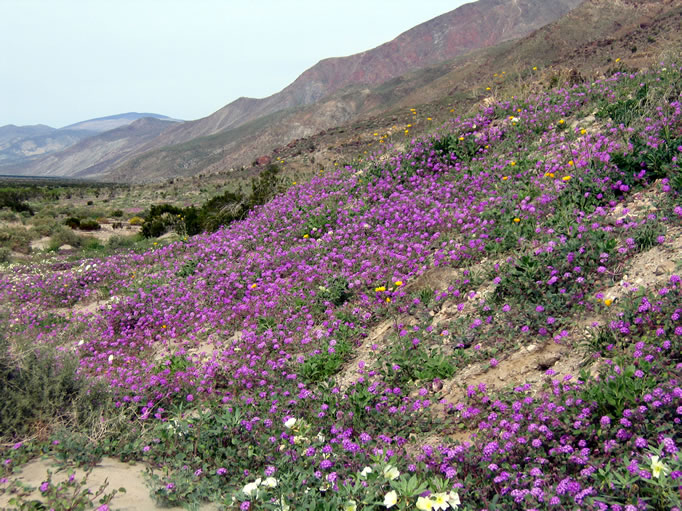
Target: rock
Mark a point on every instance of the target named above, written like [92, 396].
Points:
[65, 248]
[263, 160]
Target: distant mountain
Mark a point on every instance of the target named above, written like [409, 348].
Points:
[20, 145]
[93, 154]
[101, 124]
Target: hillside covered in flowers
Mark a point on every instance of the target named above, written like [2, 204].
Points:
[488, 317]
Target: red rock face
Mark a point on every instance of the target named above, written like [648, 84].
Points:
[471, 26]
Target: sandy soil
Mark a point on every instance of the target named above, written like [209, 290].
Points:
[118, 475]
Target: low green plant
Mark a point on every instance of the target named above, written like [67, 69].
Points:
[619, 388]
[68, 495]
[324, 365]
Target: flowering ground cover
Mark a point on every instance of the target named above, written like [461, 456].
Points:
[217, 360]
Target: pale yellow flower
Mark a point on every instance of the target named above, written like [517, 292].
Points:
[390, 499]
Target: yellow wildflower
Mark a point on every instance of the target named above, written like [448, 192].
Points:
[512, 163]
[429, 119]
[566, 178]
[388, 299]
[583, 131]
[570, 163]
[535, 68]
[488, 88]
[561, 121]
[517, 220]
[618, 59]
[608, 302]
[380, 289]
[398, 283]
[254, 285]
[504, 178]
[306, 236]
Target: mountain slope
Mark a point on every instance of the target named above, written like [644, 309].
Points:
[587, 37]
[471, 26]
[91, 155]
[20, 145]
[23, 143]
[110, 122]
[475, 25]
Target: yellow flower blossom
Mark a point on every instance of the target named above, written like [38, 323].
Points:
[583, 131]
[618, 59]
[517, 220]
[398, 283]
[512, 163]
[504, 178]
[306, 236]
[388, 299]
[561, 121]
[380, 289]
[254, 285]
[566, 178]
[570, 163]
[608, 302]
[535, 68]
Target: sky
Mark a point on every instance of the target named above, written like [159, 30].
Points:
[65, 61]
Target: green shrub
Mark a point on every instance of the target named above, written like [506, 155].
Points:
[64, 236]
[17, 239]
[72, 222]
[40, 389]
[119, 242]
[5, 255]
[89, 225]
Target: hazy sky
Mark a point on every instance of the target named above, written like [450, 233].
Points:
[63, 61]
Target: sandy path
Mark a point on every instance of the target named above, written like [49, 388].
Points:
[117, 473]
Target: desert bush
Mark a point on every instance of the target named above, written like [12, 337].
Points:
[89, 225]
[5, 255]
[41, 390]
[136, 220]
[16, 239]
[7, 215]
[64, 236]
[119, 242]
[72, 222]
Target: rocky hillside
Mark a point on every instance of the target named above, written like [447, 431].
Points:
[341, 126]
[472, 26]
